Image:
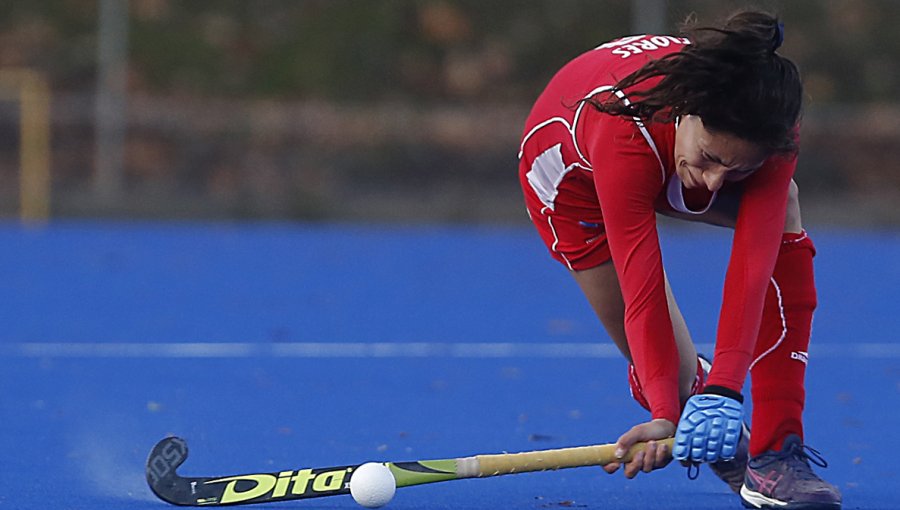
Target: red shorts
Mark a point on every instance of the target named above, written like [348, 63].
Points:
[573, 230]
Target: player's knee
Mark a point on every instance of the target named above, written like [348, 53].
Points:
[792, 221]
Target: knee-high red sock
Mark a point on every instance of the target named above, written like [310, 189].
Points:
[779, 360]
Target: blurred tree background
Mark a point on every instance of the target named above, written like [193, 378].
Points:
[393, 110]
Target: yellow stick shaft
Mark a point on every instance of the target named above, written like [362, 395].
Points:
[542, 460]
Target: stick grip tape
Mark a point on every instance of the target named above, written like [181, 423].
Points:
[543, 460]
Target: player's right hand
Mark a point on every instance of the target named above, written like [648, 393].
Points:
[655, 456]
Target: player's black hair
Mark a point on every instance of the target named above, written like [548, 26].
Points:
[729, 76]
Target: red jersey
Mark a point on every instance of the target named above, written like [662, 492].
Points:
[593, 168]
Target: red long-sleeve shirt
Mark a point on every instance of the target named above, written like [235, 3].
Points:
[633, 175]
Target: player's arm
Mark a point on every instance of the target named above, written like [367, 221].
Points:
[757, 236]
[628, 178]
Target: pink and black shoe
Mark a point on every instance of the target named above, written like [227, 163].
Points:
[785, 480]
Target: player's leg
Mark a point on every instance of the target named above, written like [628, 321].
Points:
[570, 223]
[778, 371]
[779, 367]
[600, 286]
[574, 233]
[779, 474]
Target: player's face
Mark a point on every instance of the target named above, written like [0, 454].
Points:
[707, 159]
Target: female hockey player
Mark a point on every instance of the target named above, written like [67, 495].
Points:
[702, 128]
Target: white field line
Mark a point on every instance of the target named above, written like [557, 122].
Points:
[485, 350]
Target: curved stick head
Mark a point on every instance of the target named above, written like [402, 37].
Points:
[164, 459]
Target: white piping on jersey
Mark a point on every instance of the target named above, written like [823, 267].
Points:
[571, 128]
[602, 88]
[548, 170]
[555, 237]
[675, 197]
[643, 130]
[802, 237]
[539, 126]
[783, 325]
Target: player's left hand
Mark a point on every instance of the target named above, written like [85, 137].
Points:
[654, 456]
[709, 429]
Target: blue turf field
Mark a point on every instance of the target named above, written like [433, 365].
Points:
[282, 346]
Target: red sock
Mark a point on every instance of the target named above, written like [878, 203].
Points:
[637, 392]
[780, 357]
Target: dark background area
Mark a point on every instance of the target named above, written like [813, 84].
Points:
[393, 110]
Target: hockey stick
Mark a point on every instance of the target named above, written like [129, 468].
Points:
[171, 452]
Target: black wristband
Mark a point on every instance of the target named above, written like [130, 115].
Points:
[724, 392]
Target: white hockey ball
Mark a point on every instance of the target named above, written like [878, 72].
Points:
[372, 485]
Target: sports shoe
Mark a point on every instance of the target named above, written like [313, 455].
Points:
[784, 480]
[731, 471]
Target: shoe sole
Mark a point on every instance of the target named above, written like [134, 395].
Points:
[753, 499]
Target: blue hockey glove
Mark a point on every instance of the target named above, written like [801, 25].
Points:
[710, 427]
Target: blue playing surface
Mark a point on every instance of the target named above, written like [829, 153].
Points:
[283, 346]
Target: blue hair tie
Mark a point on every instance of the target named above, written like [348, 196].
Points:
[779, 37]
